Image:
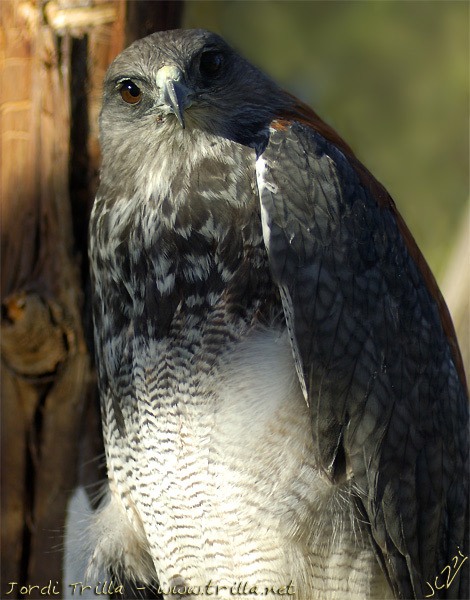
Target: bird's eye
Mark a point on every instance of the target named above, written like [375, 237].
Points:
[211, 63]
[130, 92]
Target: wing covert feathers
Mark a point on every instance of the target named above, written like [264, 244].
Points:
[375, 351]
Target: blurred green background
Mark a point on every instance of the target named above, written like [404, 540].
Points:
[392, 77]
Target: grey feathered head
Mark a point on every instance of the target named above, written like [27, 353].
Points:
[184, 80]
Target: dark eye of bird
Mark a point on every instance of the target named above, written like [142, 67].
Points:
[210, 63]
[130, 92]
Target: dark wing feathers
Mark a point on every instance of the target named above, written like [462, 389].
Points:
[379, 372]
[302, 113]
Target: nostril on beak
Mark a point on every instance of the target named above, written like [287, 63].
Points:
[173, 92]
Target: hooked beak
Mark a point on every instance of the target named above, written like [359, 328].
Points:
[173, 92]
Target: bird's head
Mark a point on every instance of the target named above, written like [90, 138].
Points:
[185, 81]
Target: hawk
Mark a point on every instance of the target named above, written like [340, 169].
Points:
[283, 400]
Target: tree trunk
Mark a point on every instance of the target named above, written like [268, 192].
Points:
[54, 55]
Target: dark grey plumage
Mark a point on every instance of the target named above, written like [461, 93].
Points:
[379, 373]
[243, 269]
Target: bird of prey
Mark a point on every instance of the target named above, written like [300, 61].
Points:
[283, 400]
